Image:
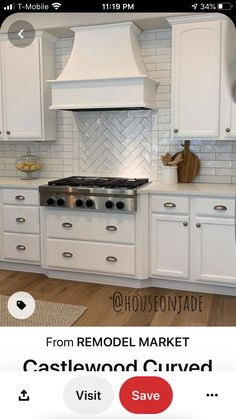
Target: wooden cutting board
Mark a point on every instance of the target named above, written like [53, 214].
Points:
[189, 168]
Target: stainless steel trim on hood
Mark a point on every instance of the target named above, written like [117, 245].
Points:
[105, 71]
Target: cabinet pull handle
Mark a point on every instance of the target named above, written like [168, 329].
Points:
[67, 225]
[111, 228]
[198, 225]
[20, 247]
[220, 208]
[176, 130]
[19, 198]
[8, 132]
[20, 220]
[67, 255]
[111, 259]
[169, 205]
[185, 224]
[227, 129]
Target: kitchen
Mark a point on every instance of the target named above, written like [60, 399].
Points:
[158, 249]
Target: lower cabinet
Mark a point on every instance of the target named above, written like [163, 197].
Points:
[199, 246]
[85, 241]
[20, 225]
[88, 256]
[21, 247]
[213, 250]
[170, 246]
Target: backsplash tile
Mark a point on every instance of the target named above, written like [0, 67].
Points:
[122, 143]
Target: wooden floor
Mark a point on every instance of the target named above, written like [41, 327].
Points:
[216, 310]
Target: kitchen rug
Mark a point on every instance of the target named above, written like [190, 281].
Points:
[45, 314]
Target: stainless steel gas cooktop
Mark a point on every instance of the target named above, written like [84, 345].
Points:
[94, 193]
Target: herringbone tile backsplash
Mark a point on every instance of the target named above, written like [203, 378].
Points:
[115, 143]
[123, 143]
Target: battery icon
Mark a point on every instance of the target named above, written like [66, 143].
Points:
[224, 6]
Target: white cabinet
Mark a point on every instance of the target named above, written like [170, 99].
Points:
[202, 105]
[228, 83]
[1, 116]
[170, 246]
[199, 246]
[20, 226]
[213, 247]
[25, 93]
[92, 242]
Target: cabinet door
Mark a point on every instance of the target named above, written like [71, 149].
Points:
[1, 118]
[21, 90]
[213, 250]
[170, 246]
[196, 56]
[228, 81]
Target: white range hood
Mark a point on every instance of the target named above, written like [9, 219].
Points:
[105, 71]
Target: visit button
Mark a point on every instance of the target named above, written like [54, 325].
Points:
[146, 395]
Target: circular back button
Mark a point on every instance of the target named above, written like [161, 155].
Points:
[21, 33]
[146, 395]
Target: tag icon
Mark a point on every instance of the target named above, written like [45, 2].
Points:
[20, 304]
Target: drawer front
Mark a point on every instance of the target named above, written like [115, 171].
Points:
[21, 219]
[170, 204]
[95, 257]
[21, 247]
[217, 207]
[93, 227]
[20, 196]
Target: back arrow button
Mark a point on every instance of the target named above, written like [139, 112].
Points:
[20, 33]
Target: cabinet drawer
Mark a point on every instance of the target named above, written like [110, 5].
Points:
[170, 204]
[95, 257]
[21, 219]
[93, 227]
[20, 197]
[217, 207]
[21, 247]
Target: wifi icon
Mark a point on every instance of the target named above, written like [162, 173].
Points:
[56, 5]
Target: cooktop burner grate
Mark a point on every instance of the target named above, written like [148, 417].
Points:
[100, 182]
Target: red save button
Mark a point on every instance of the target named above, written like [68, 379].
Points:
[146, 395]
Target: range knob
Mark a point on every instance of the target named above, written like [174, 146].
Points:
[120, 205]
[89, 203]
[79, 203]
[109, 204]
[50, 201]
[60, 201]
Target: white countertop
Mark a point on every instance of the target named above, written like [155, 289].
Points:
[190, 188]
[153, 187]
[14, 182]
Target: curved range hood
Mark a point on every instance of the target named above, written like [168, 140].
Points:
[105, 71]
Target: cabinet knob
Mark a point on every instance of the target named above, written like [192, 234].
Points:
[20, 220]
[220, 208]
[0, 132]
[227, 129]
[176, 130]
[67, 255]
[185, 224]
[8, 132]
[169, 205]
[20, 247]
[19, 198]
[198, 225]
[67, 225]
[111, 259]
[111, 228]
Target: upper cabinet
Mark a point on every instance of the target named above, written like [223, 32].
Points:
[202, 54]
[26, 94]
